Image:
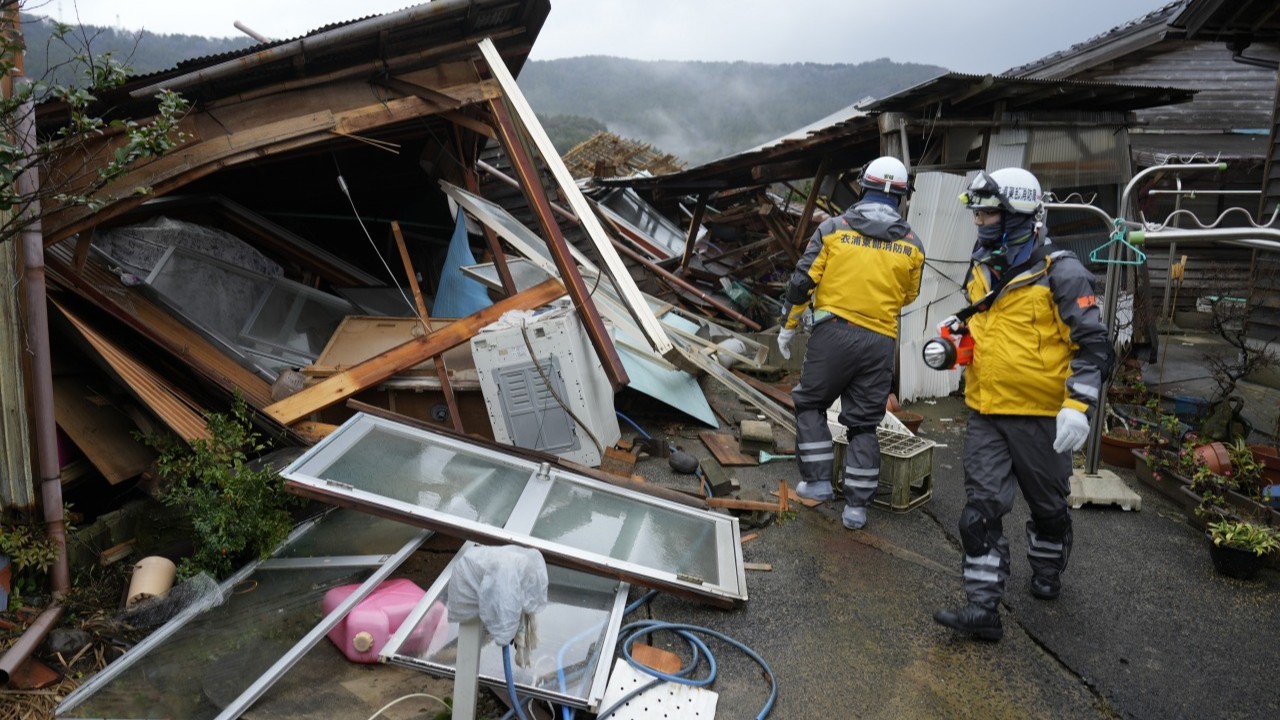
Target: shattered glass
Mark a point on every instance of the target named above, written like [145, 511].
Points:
[201, 662]
[577, 628]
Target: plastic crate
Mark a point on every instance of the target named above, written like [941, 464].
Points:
[906, 470]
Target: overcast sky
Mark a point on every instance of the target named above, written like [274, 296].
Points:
[978, 36]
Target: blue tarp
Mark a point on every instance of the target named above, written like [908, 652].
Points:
[459, 295]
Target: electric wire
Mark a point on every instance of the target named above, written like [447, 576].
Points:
[388, 706]
[342, 185]
[547, 381]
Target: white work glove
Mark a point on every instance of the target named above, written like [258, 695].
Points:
[784, 342]
[1073, 428]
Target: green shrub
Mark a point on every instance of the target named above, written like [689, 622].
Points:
[31, 553]
[237, 512]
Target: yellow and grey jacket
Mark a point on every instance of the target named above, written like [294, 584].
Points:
[1042, 345]
[863, 266]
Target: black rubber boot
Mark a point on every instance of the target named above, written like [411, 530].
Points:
[973, 620]
[1046, 587]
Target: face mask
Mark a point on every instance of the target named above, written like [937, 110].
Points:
[1012, 228]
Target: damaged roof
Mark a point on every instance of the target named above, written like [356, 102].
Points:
[853, 135]
[432, 31]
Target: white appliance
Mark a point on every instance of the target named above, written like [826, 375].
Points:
[534, 397]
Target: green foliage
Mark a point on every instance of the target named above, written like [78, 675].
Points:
[1246, 471]
[68, 73]
[237, 511]
[145, 52]
[1244, 535]
[31, 553]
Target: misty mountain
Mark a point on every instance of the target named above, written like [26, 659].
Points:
[698, 111]
[142, 52]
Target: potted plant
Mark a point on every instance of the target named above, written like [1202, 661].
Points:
[1239, 548]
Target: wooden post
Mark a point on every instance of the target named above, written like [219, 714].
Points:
[694, 224]
[442, 372]
[536, 195]
[806, 215]
[495, 247]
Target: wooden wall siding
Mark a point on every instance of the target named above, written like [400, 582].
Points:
[1231, 95]
[17, 486]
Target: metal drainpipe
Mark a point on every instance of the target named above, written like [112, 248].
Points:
[32, 239]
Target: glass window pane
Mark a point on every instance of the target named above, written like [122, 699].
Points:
[652, 536]
[208, 294]
[483, 493]
[192, 670]
[575, 630]
[290, 319]
[435, 477]
[205, 666]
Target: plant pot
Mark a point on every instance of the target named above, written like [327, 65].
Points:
[1234, 562]
[1270, 459]
[910, 419]
[1215, 457]
[1117, 444]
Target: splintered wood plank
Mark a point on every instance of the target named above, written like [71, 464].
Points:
[103, 432]
[343, 385]
[130, 306]
[725, 447]
[773, 392]
[789, 495]
[162, 397]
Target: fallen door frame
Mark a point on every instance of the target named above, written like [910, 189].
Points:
[306, 476]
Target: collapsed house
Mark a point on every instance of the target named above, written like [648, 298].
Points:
[309, 248]
[311, 244]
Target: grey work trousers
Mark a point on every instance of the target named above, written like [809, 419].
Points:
[855, 364]
[999, 452]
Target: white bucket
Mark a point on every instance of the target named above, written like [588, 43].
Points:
[152, 577]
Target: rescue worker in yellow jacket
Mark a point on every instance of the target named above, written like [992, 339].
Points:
[858, 271]
[1040, 358]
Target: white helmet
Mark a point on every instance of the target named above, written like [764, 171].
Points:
[886, 174]
[1010, 189]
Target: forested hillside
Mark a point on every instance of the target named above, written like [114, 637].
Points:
[144, 52]
[701, 111]
[698, 111]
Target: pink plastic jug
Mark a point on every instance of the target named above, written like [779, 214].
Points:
[365, 630]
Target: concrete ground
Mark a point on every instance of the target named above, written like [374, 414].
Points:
[1144, 627]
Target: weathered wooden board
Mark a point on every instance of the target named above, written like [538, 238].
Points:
[725, 447]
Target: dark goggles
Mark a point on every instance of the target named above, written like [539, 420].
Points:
[981, 187]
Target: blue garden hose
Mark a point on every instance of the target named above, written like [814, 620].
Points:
[511, 681]
[687, 632]
[633, 424]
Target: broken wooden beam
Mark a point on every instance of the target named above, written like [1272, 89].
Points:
[343, 385]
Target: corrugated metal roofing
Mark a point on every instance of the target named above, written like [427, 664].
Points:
[981, 93]
[1155, 18]
[854, 136]
[423, 28]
